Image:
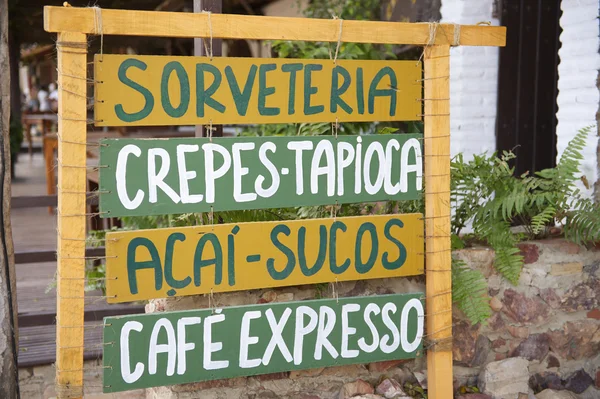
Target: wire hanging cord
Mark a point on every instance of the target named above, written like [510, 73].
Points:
[210, 32]
[339, 41]
[90, 298]
[98, 28]
[88, 144]
[71, 92]
[433, 28]
[64, 47]
[334, 290]
[335, 126]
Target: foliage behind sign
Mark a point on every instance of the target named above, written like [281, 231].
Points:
[160, 90]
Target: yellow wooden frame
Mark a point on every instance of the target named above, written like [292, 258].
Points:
[73, 24]
[178, 24]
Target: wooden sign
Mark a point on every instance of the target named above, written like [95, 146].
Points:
[159, 90]
[170, 348]
[158, 263]
[154, 176]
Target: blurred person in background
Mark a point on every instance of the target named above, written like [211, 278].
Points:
[31, 102]
[53, 96]
[43, 99]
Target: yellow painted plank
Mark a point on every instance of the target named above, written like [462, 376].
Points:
[180, 24]
[72, 63]
[147, 264]
[160, 90]
[437, 226]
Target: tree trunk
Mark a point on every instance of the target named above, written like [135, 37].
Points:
[9, 380]
[14, 48]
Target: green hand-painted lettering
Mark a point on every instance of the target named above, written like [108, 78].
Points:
[217, 261]
[309, 90]
[264, 91]
[302, 251]
[184, 90]
[396, 264]
[231, 256]
[133, 266]
[148, 97]
[368, 265]
[291, 259]
[203, 95]
[292, 69]
[389, 92]
[337, 91]
[172, 281]
[360, 91]
[335, 268]
[241, 98]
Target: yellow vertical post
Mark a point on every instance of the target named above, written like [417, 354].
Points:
[437, 226]
[72, 63]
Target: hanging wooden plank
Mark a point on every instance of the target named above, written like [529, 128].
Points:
[161, 90]
[153, 177]
[179, 24]
[180, 347]
[437, 226]
[157, 263]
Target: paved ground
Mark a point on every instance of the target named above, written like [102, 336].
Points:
[35, 229]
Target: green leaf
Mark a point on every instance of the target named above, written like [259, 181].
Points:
[457, 242]
[470, 292]
[388, 130]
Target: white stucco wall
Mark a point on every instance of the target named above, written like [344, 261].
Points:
[285, 8]
[473, 82]
[578, 95]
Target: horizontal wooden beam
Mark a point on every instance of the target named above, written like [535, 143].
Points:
[41, 201]
[47, 355]
[33, 201]
[94, 21]
[49, 318]
[50, 256]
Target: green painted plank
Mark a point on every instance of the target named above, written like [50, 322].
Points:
[158, 176]
[170, 348]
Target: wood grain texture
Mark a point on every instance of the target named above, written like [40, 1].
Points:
[437, 223]
[9, 380]
[315, 178]
[219, 335]
[252, 90]
[72, 59]
[193, 260]
[178, 24]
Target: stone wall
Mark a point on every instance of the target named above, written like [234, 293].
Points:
[544, 333]
[38, 382]
[551, 319]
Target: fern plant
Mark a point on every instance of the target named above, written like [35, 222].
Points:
[470, 292]
[487, 194]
